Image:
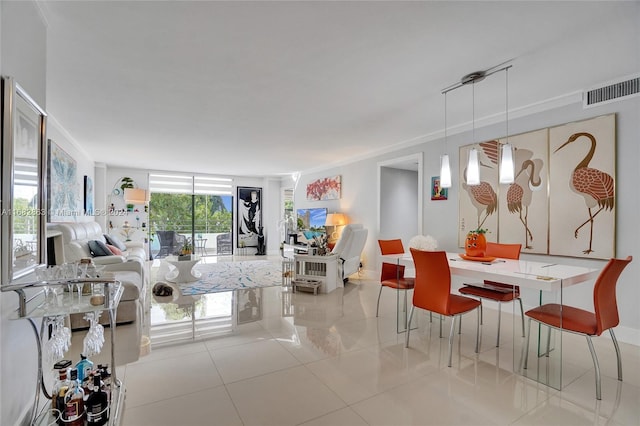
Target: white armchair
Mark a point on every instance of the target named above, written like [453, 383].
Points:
[349, 248]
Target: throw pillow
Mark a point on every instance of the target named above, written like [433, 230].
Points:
[98, 248]
[115, 241]
[115, 250]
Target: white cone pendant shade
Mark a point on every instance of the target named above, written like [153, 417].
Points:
[445, 172]
[473, 168]
[507, 168]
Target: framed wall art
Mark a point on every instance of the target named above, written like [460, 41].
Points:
[438, 192]
[582, 188]
[562, 201]
[329, 188]
[62, 183]
[23, 194]
[88, 196]
[249, 216]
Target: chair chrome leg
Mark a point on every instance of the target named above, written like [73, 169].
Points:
[453, 326]
[406, 342]
[441, 319]
[547, 354]
[615, 345]
[378, 304]
[499, 317]
[526, 345]
[521, 315]
[597, 368]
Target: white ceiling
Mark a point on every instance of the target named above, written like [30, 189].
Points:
[266, 88]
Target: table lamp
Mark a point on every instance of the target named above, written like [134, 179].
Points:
[336, 220]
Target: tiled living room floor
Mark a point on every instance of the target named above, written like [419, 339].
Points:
[332, 362]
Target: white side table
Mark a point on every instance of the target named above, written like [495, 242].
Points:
[183, 269]
[320, 268]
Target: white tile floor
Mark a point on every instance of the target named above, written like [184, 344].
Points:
[334, 363]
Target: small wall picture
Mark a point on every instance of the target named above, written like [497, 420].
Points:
[437, 192]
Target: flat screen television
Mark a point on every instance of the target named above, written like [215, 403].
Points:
[311, 222]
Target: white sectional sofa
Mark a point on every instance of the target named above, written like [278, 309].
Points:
[129, 268]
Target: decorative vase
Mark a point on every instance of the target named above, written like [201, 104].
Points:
[475, 244]
[262, 250]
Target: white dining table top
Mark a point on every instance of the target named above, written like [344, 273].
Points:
[545, 276]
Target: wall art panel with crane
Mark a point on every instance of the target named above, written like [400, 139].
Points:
[562, 201]
[582, 188]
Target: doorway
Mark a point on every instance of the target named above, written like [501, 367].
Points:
[400, 197]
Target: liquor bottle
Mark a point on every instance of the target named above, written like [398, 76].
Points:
[105, 375]
[97, 405]
[74, 402]
[60, 388]
[84, 367]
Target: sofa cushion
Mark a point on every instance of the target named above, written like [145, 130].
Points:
[115, 250]
[115, 241]
[98, 248]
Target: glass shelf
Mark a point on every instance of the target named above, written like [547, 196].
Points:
[63, 302]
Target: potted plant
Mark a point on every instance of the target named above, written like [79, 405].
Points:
[127, 183]
[475, 244]
[187, 247]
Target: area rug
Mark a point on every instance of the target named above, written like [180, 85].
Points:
[228, 276]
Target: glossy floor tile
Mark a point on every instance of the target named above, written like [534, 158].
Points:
[326, 360]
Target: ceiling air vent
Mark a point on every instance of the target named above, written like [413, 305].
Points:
[612, 91]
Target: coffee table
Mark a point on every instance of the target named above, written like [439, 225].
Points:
[183, 272]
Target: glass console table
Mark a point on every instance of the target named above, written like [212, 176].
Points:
[36, 307]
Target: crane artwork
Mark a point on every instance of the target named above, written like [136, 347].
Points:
[520, 193]
[595, 186]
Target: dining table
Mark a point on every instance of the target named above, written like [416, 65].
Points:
[546, 279]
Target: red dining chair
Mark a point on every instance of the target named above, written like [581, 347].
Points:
[432, 292]
[579, 321]
[498, 292]
[392, 275]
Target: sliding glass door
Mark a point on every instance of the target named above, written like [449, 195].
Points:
[192, 212]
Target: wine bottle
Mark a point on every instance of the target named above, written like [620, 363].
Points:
[97, 405]
[74, 402]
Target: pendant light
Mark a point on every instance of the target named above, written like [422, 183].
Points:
[473, 165]
[445, 168]
[507, 166]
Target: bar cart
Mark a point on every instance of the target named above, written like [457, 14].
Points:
[65, 303]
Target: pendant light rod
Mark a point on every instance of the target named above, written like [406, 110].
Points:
[475, 77]
[445, 167]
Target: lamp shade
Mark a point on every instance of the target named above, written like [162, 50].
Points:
[445, 172]
[336, 219]
[507, 167]
[135, 196]
[473, 168]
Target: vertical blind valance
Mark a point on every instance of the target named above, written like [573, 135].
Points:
[190, 184]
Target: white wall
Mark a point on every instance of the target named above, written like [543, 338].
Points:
[84, 164]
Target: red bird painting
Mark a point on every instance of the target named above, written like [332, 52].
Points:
[595, 186]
